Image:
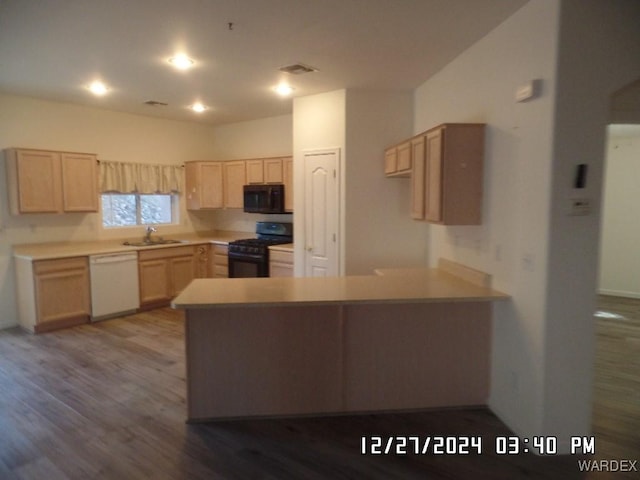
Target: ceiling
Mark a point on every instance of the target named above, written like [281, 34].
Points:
[51, 49]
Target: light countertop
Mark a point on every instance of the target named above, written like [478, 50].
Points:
[283, 247]
[426, 285]
[48, 251]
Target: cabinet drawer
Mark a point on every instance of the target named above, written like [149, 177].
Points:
[165, 252]
[220, 249]
[59, 265]
[278, 256]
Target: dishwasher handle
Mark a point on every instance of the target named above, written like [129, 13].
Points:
[114, 258]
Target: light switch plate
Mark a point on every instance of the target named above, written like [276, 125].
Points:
[580, 206]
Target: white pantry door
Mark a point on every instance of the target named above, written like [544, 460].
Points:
[322, 202]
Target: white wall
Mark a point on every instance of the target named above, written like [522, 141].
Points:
[375, 225]
[319, 122]
[31, 123]
[267, 137]
[583, 50]
[619, 254]
[599, 54]
[379, 231]
[511, 243]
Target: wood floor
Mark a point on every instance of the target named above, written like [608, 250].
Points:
[107, 401]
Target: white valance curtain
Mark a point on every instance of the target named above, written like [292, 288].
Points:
[125, 177]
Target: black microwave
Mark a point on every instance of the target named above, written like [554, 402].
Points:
[263, 198]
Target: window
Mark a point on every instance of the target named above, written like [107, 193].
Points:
[121, 210]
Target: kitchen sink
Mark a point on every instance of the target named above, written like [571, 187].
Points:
[152, 242]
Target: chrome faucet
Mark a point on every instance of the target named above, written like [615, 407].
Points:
[147, 236]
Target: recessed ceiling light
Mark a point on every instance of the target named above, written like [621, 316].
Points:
[198, 107]
[283, 89]
[182, 62]
[98, 88]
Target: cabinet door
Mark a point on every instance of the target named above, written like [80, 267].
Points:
[273, 170]
[202, 261]
[192, 185]
[418, 178]
[390, 160]
[234, 179]
[154, 281]
[220, 261]
[182, 271]
[61, 292]
[433, 207]
[404, 158]
[211, 185]
[203, 185]
[79, 182]
[280, 264]
[255, 171]
[287, 167]
[39, 184]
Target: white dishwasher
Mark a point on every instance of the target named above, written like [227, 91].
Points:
[114, 284]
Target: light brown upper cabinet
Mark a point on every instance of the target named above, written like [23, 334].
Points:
[41, 181]
[417, 177]
[203, 185]
[235, 177]
[287, 167]
[264, 170]
[445, 164]
[273, 170]
[397, 160]
[216, 184]
[453, 174]
[255, 171]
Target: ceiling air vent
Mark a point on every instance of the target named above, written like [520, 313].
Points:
[298, 69]
[153, 103]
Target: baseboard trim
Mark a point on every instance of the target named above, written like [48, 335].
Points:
[619, 293]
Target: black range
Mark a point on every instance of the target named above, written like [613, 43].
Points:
[249, 257]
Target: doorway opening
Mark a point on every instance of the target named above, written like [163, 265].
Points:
[616, 397]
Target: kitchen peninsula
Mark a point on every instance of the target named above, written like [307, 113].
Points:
[401, 339]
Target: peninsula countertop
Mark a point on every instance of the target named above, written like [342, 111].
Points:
[425, 285]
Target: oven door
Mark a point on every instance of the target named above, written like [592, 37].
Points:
[243, 265]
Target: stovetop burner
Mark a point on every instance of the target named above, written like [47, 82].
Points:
[254, 245]
[268, 233]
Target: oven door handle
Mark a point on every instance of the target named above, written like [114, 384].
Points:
[246, 256]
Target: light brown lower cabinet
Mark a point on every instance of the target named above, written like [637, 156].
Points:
[53, 294]
[280, 263]
[164, 273]
[220, 261]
